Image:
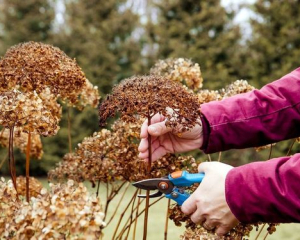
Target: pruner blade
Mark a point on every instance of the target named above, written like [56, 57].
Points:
[163, 185]
[153, 195]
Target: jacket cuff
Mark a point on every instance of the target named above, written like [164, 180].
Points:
[205, 132]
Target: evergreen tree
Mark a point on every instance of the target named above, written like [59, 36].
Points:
[99, 35]
[200, 30]
[22, 21]
[274, 49]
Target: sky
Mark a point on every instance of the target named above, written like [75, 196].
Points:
[243, 16]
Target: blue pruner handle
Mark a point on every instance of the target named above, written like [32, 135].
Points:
[183, 179]
[178, 196]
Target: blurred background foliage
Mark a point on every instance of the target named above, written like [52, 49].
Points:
[114, 39]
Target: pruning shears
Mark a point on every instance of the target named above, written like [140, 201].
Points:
[171, 185]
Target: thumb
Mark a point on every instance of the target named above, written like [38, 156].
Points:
[204, 167]
[158, 129]
[189, 206]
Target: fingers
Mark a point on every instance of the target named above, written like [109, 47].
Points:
[158, 129]
[204, 167]
[222, 230]
[189, 206]
[144, 129]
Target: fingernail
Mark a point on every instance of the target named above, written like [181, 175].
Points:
[152, 129]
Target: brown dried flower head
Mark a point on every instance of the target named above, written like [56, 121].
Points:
[29, 111]
[33, 66]
[181, 70]
[148, 95]
[66, 211]
[20, 141]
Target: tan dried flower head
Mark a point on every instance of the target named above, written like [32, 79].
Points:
[181, 70]
[206, 96]
[33, 66]
[147, 95]
[257, 149]
[89, 95]
[113, 155]
[66, 211]
[29, 111]
[35, 186]
[237, 87]
[20, 141]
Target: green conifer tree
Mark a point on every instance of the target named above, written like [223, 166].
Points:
[274, 49]
[200, 30]
[99, 35]
[22, 21]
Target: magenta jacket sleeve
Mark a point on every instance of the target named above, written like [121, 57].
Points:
[256, 118]
[261, 191]
[265, 191]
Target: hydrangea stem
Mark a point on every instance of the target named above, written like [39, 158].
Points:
[27, 166]
[167, 221]
[149, 170]
[69, 131]
[11, 158]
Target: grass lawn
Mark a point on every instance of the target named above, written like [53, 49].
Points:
[157, 218]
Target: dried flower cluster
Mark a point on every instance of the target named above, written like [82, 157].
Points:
[237, 87]
[29, 111]
[20, 141]
[181, 70]
[205, 96]
[34, 66]
[89, 95]
[64, 212]
[113, 155]
[257, 149]
[148, 95]
[35, 186]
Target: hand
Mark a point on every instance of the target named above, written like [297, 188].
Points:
[208, 204]
[164, 141]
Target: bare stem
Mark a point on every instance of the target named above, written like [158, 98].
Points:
[122, 214]
[290, 149]
[27, 166]
[118, 205]
[167, 221]
[144, 210]
[149, 170]
[3, 160]
[11, 158]
[136, 214]
[270, 154]
[110, 196]
[131, 219]
[260, 232]
[98, 187]
[267, 234]
[69, 131]
[219, 158]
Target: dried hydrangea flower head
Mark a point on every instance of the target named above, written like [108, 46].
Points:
[35, 186]
[66, 211]
[237, 87]
[148, 95]
[33, 66]
[181, 70]
[20, 141]
[89, 95]
[29, 111]
[206, 96]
